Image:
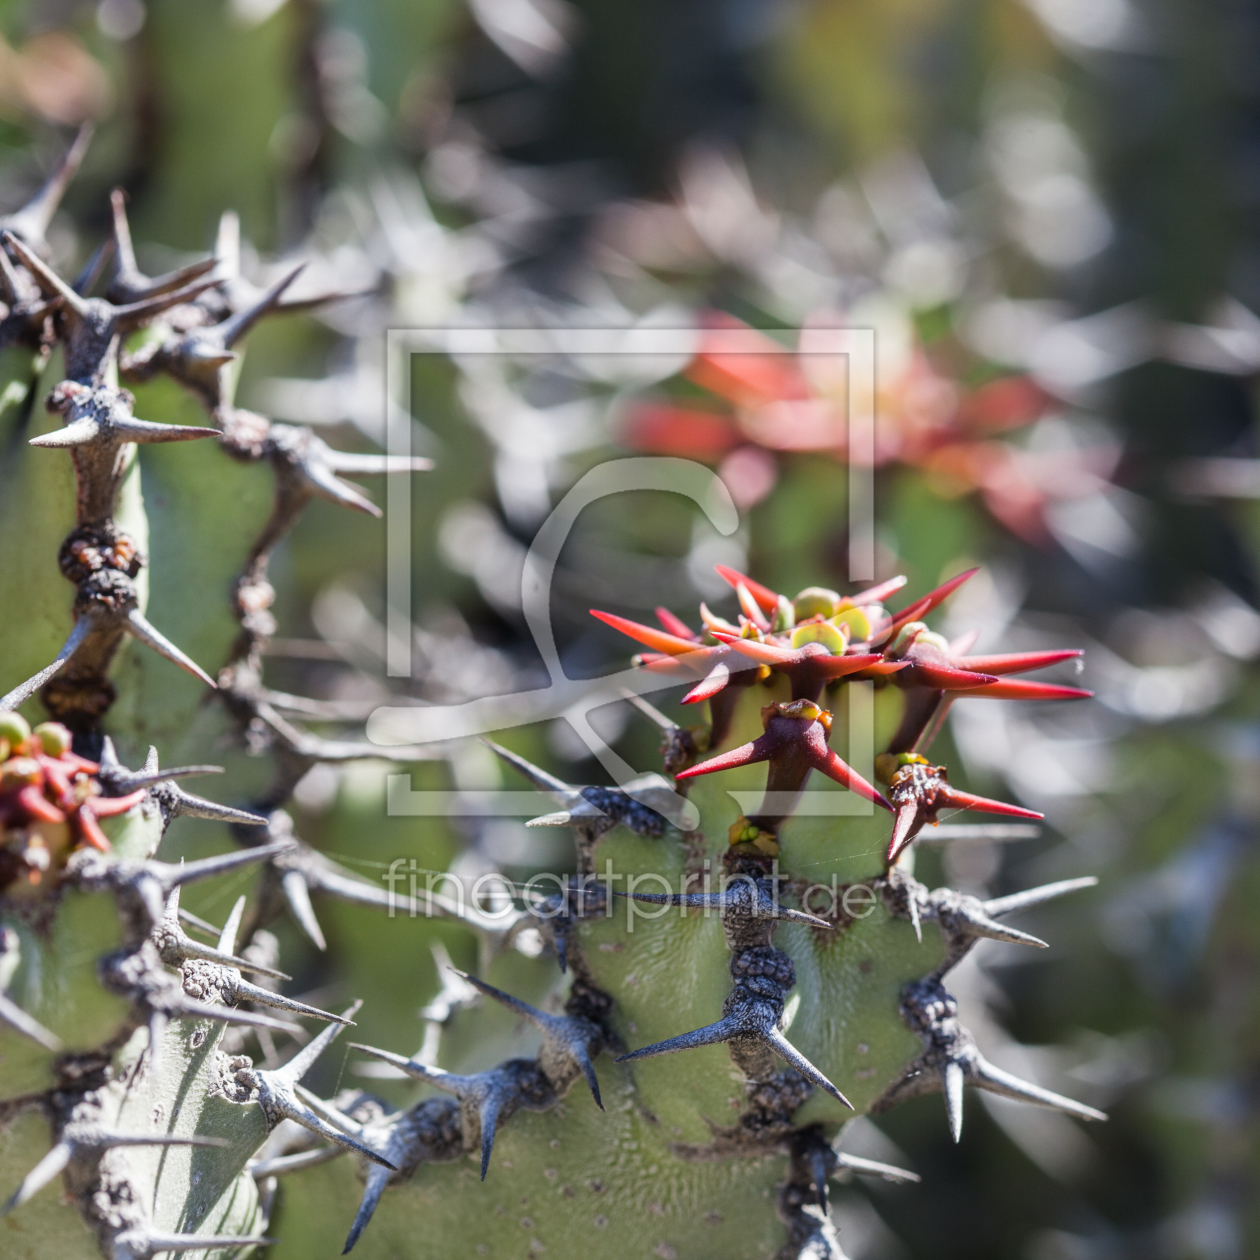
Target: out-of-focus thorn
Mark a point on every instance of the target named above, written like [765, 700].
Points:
[175, 946]
[997, 906]
[139, 628]
[277, 1094]
[140, 1244]
[234, 328]
[873, 1168]
[86, 280]
[733, 1025]
[30, 223]
[24, 691]
[952, 1087]
[566, 1038]
[298, 896]
[50, 283]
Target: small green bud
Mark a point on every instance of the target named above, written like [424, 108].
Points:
[784, 616]
[15, 728]
[820, 632]
[53, 738]
[856, 620]
[815, 601]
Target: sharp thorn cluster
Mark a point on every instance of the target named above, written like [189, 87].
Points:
[950, 1060]
[279, 1094]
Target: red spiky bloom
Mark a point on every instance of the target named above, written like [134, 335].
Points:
[938, 672]
[920, 791]
[820, 639]
[50, 800]
[794, 743]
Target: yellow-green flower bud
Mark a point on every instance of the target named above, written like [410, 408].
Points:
[53, 738]
[15, 728]
[784, 616]
[815, 601]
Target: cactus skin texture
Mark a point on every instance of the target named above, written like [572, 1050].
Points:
[656, 1059]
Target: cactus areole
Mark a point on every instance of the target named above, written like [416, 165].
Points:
[709, 1007]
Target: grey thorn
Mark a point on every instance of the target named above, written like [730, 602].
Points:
[354, 464]
[402, 1147]
[277, 1094]
[150, 775]
[47, 1170]
[650, 711]
[205, 868]
[141, 1244]
[950, 1059]
[50, 283]
[91, 1137]
[991, 1078]
[455, 993]
[135, 313]
[235, 327]
[298, 896]
[237, 990]
[176, 947]
[293, 1163]
[965, 916]
[175, 802]
[537, 776]
[130, 284]
[152, 881]
[952, 1079]
[88, 431]
[323, 482]
[321, 875]
[188, 1008]
[734, 1025]
[912, 905]
[604, 807]
[139, 628]
[753, 899]
[24, 691]
[227, 938]
[487, 1096]
[372, 1192]
[1036, 896]
[227, 244]
[186, 804]
[413, 1067]
[565, 1038]
[16, 1018]
[129, 316]
[873, 1168]
[32, 220]
[10, 1012]
[302, 1062]
[196, 921]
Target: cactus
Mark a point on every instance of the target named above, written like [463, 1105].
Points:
[685, 974]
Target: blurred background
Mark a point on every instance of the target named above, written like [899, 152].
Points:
[1048, 209]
